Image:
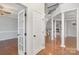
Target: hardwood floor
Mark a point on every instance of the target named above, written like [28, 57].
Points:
[70, 42]
[53, 47]
[9, 47]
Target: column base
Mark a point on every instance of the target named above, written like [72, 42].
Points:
[77, 49]
[52, 38]
[63, 46]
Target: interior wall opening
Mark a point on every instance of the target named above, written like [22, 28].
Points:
[70, 30]
[57, 30]
[9, 28]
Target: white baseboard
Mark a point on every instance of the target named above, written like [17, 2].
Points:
[6, 35]
[40, 50]
[37, 51]
[8, 38]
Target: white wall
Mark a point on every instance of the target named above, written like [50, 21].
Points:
[70, 30]
[8, 28]
[32, 7]
[68, 6]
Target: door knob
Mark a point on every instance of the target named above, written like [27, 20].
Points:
[34, 35]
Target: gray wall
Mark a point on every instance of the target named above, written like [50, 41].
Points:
[70, 30]
[8, 28]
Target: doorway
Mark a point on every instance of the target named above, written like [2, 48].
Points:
[71, 30]
[11, 15]
[57, 30]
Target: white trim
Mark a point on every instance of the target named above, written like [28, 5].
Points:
[21, 52]
[6, 35]
[8, 38]
[56, 14]
[69, 9]
[64, 11]
[7, 31]
[38, 50]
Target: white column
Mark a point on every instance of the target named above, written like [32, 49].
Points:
[52, 30]
[77, 19]
[62, 30]
[55, 28]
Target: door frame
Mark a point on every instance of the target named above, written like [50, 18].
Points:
[76, 24]
[77, 21]
[24, 25]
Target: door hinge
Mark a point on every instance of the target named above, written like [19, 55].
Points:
[25, 14]
[25, 53]
[25, 34]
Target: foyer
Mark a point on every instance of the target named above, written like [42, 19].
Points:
[39, 29]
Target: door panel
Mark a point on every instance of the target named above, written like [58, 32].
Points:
[38, 32]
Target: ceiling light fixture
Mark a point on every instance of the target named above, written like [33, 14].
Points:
[5, 10]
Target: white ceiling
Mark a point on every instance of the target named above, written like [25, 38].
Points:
[15, 8]
[68, 15]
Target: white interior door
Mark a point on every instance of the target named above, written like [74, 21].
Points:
[38, 32]
[21, 32]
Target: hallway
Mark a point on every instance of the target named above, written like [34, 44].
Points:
[53, 47]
